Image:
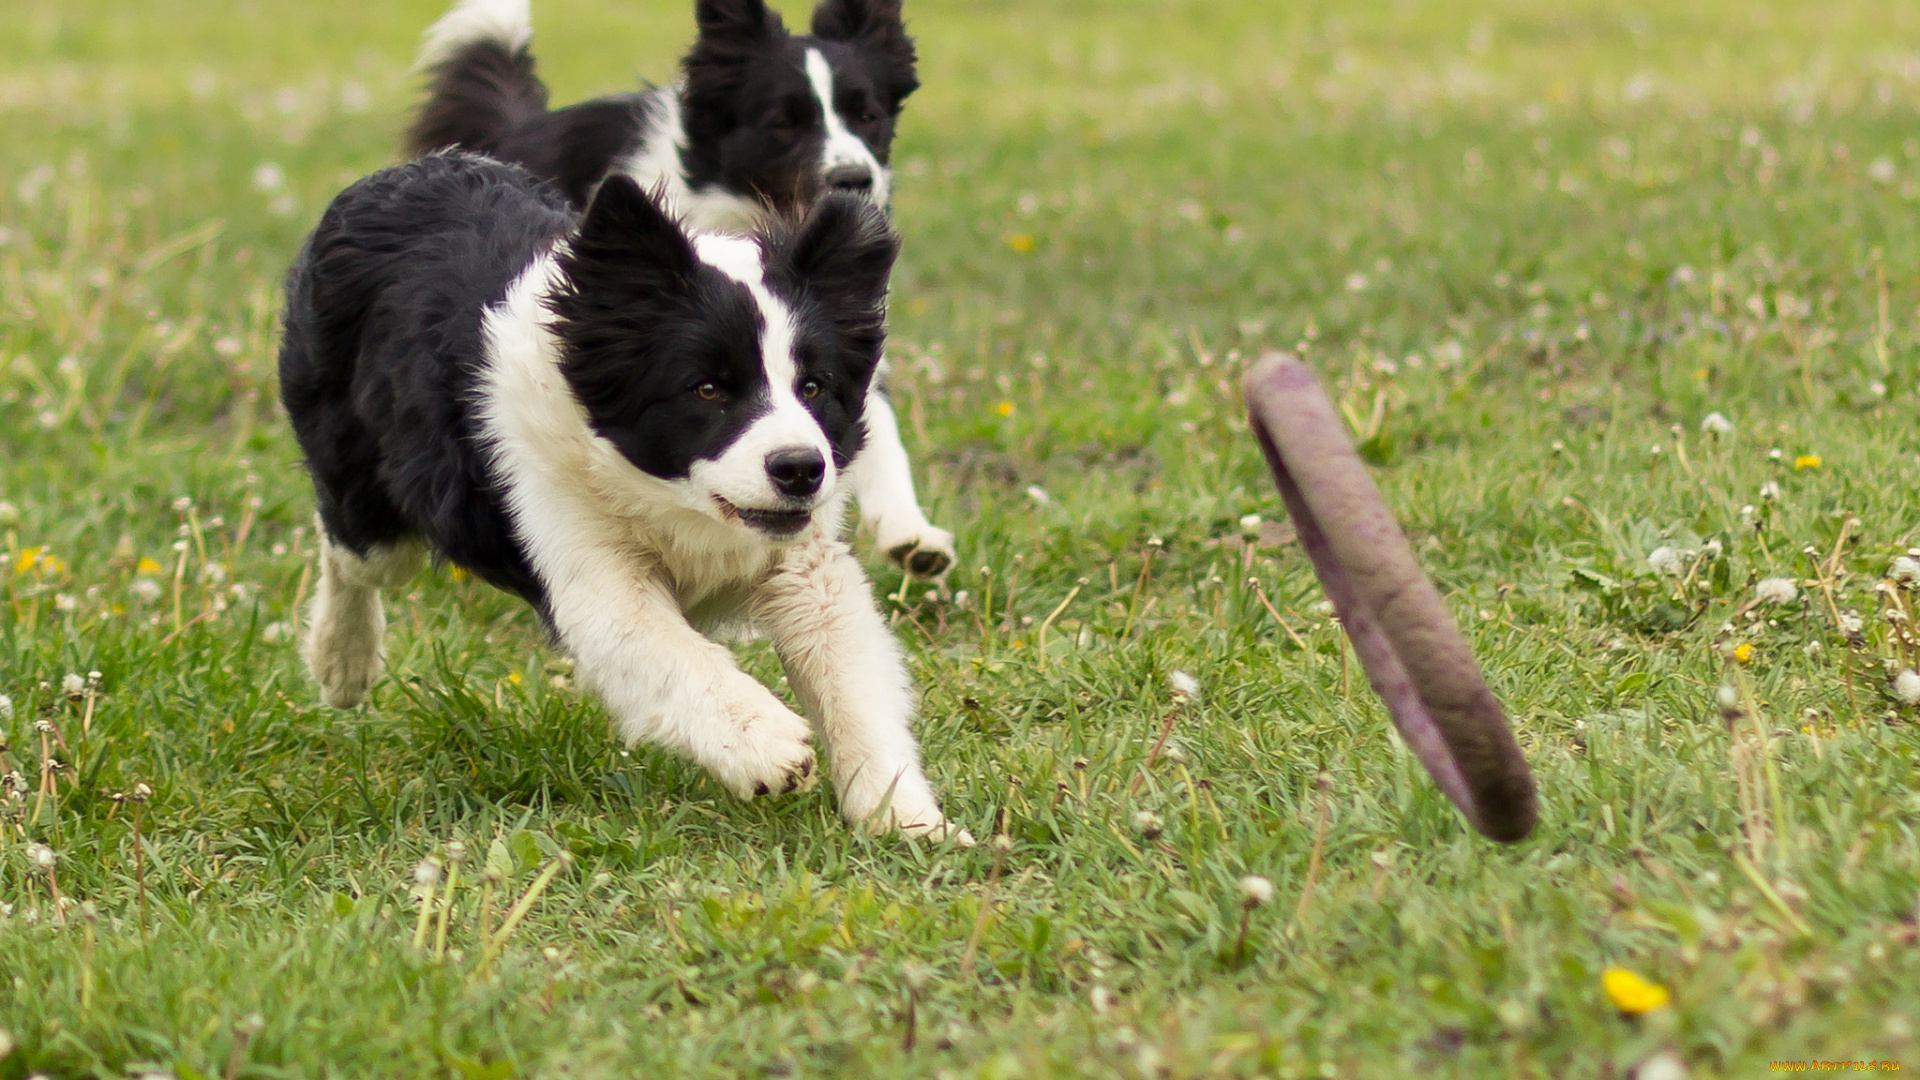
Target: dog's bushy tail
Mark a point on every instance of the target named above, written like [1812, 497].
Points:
[480, 78]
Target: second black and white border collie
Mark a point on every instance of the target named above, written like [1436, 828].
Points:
[641, 432]
[762, 123]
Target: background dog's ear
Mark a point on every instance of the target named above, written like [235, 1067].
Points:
[628, 255]
[841, 257]
[875, 25]
[736, 20]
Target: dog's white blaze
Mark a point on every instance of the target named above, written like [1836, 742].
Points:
[739, 475]
[843, 147]
[507, 23]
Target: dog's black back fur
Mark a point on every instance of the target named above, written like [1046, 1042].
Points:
[383, 345]
[489, 100]
[746, 108]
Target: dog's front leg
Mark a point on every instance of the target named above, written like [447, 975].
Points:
[883, 483]
[851, 678]
[668, 684]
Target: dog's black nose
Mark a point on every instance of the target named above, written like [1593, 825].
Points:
[857, 179]
[796, 473]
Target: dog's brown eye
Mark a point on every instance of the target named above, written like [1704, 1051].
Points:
[708, 391]
[810, 389]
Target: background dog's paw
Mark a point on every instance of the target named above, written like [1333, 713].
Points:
[923, 551]
[345, 676]
[768, 752]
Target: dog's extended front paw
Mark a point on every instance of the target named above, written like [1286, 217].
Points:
[344, 656]
[905, 805]
[768, 750]
[919, 547]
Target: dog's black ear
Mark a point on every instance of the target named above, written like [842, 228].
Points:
[841, 257]
[628, 255]
[736, 21]
[876, 26]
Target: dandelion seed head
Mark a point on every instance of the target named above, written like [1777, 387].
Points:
[1905, 570]
[1250, 524]
[1906, 687]
[1775, 590]
[1255, 890]
[6, 707]
[1770, 491]
[1667, 561]
[146, 590]
[1184, 685]
[268, 177]
[1002, 843]
[41, 856]
[1716, 424]
[9, 514]
[1039, 495]
[73, 685]
[1851, 624]
[427, 874]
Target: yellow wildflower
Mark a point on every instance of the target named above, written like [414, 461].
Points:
[1807, 461]
[1632, 994]
[1021, 242]
[1004, 408]
[514, 678]
[26, 561]
[1743, 652]
[460, 573]
[146, 566]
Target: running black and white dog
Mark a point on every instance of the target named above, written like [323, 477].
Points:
[762, 123]
[642, 433]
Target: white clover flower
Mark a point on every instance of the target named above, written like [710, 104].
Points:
[1184, 685]
[1667, 561]
[1775, 590]
[1905, 570]
[1255, 890]
[1039, 495]
[1716, 424]
[1906, 687]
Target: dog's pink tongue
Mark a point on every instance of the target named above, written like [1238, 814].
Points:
[1414, 655]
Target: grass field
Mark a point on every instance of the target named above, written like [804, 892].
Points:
[1533, 245]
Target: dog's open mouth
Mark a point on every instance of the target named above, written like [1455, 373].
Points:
[779, 523]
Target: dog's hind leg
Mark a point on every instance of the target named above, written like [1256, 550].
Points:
[346, 624]
[851, 679]
[883, 482]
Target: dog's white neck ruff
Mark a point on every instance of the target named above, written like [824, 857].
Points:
[574, 498]
[658, 166]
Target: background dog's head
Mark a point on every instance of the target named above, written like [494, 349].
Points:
[785, 119]
[734, 368]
